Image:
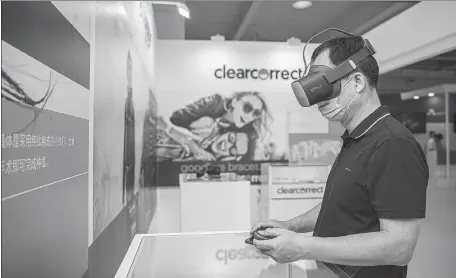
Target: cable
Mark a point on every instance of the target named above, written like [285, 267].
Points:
[319, 33]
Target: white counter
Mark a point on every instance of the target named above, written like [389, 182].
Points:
[215, 206]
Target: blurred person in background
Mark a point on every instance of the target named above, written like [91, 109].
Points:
[439, 142]
[430, 143]
[431, 154]
[217, 145]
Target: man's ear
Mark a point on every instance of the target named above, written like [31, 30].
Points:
[360, 82]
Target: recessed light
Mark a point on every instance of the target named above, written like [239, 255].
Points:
[300, 5]
[416, 97]
[431, 94]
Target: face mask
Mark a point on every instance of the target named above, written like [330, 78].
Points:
[334, 110]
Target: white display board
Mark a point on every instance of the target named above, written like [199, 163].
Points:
[294, 189]
[215, 206]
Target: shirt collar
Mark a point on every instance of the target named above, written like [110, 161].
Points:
[367, 123]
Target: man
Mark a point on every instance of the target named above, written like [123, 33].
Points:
[430, 143]
[368, 223]
[430, 149]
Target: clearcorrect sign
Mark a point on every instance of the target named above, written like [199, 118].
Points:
[297, 190]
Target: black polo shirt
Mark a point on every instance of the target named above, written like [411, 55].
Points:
[381, 172]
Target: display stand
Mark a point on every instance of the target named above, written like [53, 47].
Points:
[292, 190]
[209, 254]
[215, 205]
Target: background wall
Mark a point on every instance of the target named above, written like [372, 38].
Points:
[435, 109]
[125, 107]
[45, 140]
[78, 178]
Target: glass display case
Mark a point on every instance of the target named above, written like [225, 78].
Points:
[208, 255]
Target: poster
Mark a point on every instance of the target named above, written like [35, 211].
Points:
[124, 119]
[219, 128]
[40, 128]
[45, 94]
[314, 148]
[228, 104]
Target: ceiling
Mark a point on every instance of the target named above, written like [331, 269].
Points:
[277, 21]
[424, 74]
[446, 61]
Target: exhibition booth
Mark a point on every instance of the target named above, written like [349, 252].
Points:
[197, 81]
[200, 84]
[177, 147]
[287, 163]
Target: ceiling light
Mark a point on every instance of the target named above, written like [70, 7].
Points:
[181, 7]
[431, 94]
[416, 97]
[183, 10]
[300, 5]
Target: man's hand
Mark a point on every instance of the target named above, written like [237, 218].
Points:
[269, 224]
[285, 247]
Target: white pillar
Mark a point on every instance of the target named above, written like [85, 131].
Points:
[447, 135]
[425, 30]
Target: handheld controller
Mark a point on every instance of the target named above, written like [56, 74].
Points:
[258, 235]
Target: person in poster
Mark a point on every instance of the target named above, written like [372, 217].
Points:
[128, 181]
[149, 142]
[217, 128]
[178, 146]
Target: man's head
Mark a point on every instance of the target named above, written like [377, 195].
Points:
[356, 87]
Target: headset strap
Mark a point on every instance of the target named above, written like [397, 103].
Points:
[350, 64]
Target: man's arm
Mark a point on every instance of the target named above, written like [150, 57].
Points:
[305, 222]
[394, 244]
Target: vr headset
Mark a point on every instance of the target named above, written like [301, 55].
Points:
[323, 83]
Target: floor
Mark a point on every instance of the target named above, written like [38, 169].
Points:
[435, 254]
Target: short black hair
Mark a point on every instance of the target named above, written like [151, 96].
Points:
[340, 49]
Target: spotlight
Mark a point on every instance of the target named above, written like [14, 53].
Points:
[181, 7]
[416, 97]
[300, 5]
[431, 94]
[183, 10]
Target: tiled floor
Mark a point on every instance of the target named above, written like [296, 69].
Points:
[435, 254]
